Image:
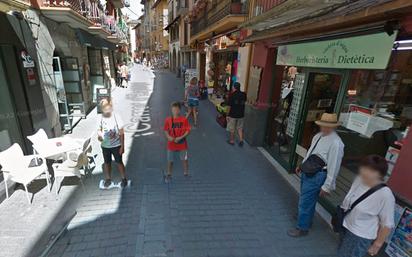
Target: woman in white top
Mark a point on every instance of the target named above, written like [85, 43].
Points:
[370, 222]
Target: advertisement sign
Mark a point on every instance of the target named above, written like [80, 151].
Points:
[298, 96]
[189, 74]
[359, 118]
[400, 244]
[360, 52]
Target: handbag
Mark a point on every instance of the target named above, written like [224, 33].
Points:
[313, 163]
[339, 216]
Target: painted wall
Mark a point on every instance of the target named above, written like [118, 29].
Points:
[264, 57]
[401, 178]
[243, 65]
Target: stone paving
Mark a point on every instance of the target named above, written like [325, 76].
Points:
[234, 204]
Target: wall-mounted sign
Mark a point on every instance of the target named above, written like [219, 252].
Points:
[28, 62]
[361, 52]
[31, 76]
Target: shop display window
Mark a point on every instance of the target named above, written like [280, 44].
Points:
[279, 141]
[377, 111]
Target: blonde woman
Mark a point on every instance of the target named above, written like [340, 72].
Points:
[192, 97]
[111, 135]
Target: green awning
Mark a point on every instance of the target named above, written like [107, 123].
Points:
[85, 38]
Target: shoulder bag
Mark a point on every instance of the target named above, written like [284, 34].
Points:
[313, 163]
[339, 216]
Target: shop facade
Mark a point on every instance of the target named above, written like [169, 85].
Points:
[359, 69]
[368, 87]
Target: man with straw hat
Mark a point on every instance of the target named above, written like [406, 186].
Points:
[318, 170]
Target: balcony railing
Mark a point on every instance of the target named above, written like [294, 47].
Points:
[262, 6]
[182, 7]
[93, 11]
[216, 13]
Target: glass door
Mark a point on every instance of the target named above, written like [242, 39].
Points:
[324, 93]
[321, 96]
[9, 124]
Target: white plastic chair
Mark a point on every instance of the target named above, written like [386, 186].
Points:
[37, 139]
[87, 149]
[71, 168]
[16, 167]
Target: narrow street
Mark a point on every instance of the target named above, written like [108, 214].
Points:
[234, 204]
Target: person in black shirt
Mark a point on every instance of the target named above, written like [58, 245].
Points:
[236, 114]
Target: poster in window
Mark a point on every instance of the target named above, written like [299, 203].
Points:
[400, 244]
[359, 118]
[296, 103]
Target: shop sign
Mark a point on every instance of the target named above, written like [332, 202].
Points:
[28, 62]
[360, 52]
[400, 244]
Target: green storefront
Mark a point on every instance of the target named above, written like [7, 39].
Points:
[362, 79]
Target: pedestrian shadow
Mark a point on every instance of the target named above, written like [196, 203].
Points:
[234, 204]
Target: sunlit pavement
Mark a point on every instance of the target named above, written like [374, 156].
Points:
[234, 204]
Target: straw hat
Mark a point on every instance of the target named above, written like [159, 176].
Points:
[328, 120]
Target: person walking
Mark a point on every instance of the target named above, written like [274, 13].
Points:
[111, 136]
[368, 223]
[318, 171]
[236, 114]
[118, 75]
[192, 95]
[124, 73]
[176, 129]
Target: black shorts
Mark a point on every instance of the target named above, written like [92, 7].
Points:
[108, 152]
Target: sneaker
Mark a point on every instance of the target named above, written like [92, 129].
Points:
[168, 178]
[107, 183]
[123, 184]
[230, 143]
[295, 232]
[241, 143]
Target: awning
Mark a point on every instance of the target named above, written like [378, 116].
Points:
[173, 22]
[88, 39]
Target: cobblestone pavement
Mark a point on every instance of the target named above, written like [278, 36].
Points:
[234, 204]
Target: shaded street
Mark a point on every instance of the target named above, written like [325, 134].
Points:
[234, 204]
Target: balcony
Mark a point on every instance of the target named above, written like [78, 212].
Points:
[218, 18]
[9, 5]
[262, 6]
[72, 12]
[88, 15]
[182, 7]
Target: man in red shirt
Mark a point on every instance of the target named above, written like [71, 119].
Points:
[176, 129]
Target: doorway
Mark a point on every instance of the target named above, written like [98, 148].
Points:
[9, 124]
[321, 97]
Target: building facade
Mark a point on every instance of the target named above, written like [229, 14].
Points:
[305, 64]
[63, 54]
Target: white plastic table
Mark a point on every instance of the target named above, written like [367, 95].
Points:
[56, 146]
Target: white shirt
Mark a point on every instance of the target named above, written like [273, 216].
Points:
[109, 130]
[375, 211]
[330, 149]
